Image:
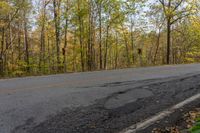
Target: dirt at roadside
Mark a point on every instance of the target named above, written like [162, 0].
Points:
[185, 123]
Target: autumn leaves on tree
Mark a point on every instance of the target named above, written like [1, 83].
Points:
[55, 36]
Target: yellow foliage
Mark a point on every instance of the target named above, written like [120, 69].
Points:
[5, 8]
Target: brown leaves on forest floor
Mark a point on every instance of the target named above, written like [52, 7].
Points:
[191, 117]
[188, 120]
[166, 130]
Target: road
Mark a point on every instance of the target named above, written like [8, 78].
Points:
[102, 101]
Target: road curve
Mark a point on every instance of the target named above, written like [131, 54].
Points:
[31, 100]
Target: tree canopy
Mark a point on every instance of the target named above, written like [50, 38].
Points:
[56, 36]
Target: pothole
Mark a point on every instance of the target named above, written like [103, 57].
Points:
[122, 99]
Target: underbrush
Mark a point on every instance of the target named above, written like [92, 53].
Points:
[196, 127]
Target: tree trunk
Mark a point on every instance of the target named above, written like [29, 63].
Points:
[11, 43]
[65, 46]
[116, 52]
[81, 38]
[56, 4]
[42, 40]
[89, 53]
[106, 47]
[73, 55]
[1, 56]
[132, 42]
[26, 44]
[168, 39]
[100, 37]
[127, 51]
[19, 43]
[157, 46]
[49, 58]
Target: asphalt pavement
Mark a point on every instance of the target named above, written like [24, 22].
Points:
[102, 101]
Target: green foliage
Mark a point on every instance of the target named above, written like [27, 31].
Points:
[196, 127]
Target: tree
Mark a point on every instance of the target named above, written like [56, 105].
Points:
[54, 36]
[174, 10]
[56, 8]
[42, 36]
[66, 17]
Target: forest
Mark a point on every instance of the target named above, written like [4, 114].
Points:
[60, 36]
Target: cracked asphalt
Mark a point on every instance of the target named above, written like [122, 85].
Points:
[93, 102]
